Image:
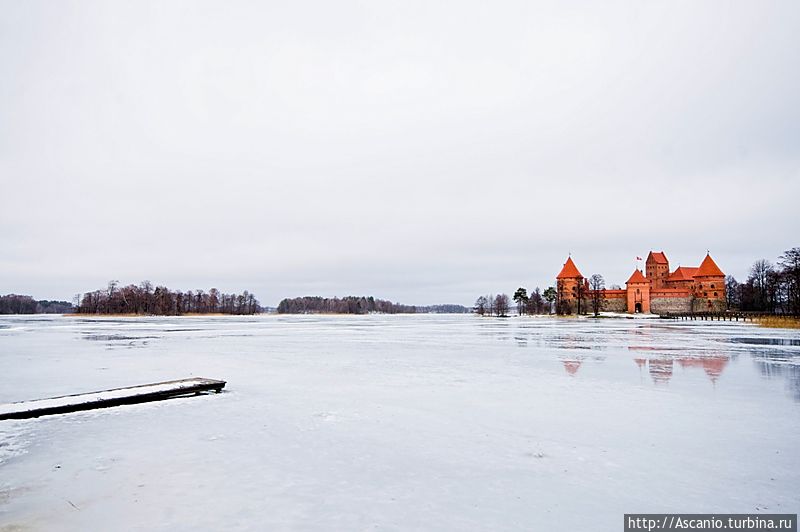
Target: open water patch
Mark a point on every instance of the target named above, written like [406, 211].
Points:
[770, 341]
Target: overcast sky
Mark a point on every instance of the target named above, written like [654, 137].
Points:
[424, 152]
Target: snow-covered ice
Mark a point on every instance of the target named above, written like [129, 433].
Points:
[399, 422]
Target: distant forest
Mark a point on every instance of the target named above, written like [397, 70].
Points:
[769, 287]
[145, 299]
[358, 305]
[17, 304]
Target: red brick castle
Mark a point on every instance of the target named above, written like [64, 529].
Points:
[657, 290]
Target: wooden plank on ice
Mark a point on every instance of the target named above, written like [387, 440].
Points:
[143, 393]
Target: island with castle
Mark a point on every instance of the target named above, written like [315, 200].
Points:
[657, 290]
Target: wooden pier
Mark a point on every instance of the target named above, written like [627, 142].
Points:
[144, 393]
[731, 315]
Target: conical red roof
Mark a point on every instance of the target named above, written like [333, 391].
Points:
[708, 268]
[636, 277]
[569, 271]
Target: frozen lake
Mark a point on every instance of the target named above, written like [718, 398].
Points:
[399, 422]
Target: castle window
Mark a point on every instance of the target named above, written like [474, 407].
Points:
[705, 294]
[712, 286]
[715, 294]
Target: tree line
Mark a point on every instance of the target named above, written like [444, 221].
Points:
[358, 305]
[769, 287]
[442, 309]
[491, 305]
[21, 304]
[160, 300]
[537, 302]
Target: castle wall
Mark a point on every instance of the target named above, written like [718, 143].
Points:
[570, 306]
[613, 301]
[703, 304]
[679, 285]
[615, 304]
[671, 292]
[611, 294]
[663, 304]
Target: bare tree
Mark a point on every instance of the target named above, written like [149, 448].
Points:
[481, 305]
[732, 292]
[213, 300]
[759, 281]
[597, 288]
[501, 305]
[580, 294]
[790, 268]
[536, 302]
[110, 306]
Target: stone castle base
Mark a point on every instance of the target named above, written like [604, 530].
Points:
[663, 305]
[658, 305]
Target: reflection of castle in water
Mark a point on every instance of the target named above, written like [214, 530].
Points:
[573, 363]
[781, 360]
[661, 368]
[572, 366]
[713, 366]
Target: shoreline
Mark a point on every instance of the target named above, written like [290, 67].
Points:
[772, 322]
[133, 315]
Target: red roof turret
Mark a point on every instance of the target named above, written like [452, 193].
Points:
[708, 268]
[636, 277]
[569, 271]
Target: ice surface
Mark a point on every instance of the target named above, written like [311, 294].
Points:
[399, 422]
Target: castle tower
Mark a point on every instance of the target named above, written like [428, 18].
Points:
[638, 292]
[709, 285]
[657, 269]
[570, 288]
